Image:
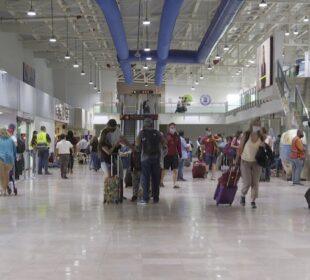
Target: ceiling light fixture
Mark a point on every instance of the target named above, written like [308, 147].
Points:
[146, 84]
[209, 66]
[287, 33]
[192, 88]
[147, 49]
[201, 77]
[145, 66]
[226, 48]
[52, 38]
[3, 71]
[75, 65]
[146, 22]
[247, 65]
[149, 58]
[82, 72]
[196, 83]
[306, 19]
[31, 12]
[296, 31]
[90, 74]
[263, 4]
[67, 56]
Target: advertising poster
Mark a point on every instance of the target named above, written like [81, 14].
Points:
[264, 64]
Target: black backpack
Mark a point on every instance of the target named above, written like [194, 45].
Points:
[150, 140]
[21, 147]
[264, 156]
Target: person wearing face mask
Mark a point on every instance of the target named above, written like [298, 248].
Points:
[109, 145]
[297, 157]
[250, 170]
[171, 160]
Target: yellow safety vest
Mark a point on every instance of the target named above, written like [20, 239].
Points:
[42, 143]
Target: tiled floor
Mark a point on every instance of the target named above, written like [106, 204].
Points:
[58, 229]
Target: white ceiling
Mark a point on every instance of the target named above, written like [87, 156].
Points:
[87, 26]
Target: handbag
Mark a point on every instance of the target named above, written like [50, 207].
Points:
[264, 156]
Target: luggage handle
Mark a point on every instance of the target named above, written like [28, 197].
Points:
[117, 164]
[230, 172]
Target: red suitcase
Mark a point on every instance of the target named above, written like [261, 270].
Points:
[199, 169]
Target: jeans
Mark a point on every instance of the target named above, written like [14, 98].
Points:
[267, 173]
[94, 161]
[180, 169]
[34, 161]
[150, 168]
[43, 160]
[278, 165]
[297, 165]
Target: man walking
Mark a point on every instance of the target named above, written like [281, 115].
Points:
[43, 141]
[63, 148]
[297, 157]
[184, 148]
[150, 141]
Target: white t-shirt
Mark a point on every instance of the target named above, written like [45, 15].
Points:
[114, 137]
[83, 144]
[63, 147]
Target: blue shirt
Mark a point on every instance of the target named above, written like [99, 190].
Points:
[7, 150]
[184, 148]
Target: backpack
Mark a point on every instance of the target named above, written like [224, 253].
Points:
[21, 147]
[150, 140]
[264, 156]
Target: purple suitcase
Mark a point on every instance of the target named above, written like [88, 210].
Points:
[225, 195]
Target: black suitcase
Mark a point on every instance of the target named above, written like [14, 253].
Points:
[307, 196]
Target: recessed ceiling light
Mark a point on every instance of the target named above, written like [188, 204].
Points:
[226, 48]
[148, 58]
[263, 4]
[53, 39]
[146, 21]
[306, 19]
[147, 49]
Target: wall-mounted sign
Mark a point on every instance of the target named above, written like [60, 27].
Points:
[205, 100]
[146, 91]
[62, 112]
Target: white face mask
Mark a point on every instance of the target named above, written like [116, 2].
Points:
[256, 129]
[172, 130]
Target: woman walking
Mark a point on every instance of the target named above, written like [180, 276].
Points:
[250, 170]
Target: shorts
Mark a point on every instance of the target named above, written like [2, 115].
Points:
[209, 159]
[171, 162]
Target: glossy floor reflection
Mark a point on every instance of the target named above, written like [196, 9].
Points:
[57, 229]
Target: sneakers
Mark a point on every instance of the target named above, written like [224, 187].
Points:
[242, 200]
[253, 204]
[176, 187]
[142, 202]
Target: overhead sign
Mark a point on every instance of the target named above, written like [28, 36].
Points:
[137, 117]
[146, 91]
[205, 100]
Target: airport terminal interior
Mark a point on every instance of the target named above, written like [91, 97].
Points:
[154, 139]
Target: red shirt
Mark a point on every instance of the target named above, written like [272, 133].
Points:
[209, 144]
[173, 144]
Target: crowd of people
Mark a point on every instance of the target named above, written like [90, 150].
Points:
[146, 162]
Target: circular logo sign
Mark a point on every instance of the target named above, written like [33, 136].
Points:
[205, 100]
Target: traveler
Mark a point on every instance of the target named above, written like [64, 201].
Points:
[136, 173]
[11, 132]
[33, 148]
[43, 142]
[7, 158]
[269, 142]
[146, 107]
[276, 152]
[229, 152]
[184, 148]
[235, 143]
[71, 139]
[190, 149]
[250, 170]
[109, 145]
[94, 160]
[150, 141]
[297, 157]
[82, 145]
[199, 150]
[171, 160]
[210, 152]
[63, 148]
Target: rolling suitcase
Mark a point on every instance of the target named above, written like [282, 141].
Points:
[307, 196]
[113, 186]
[227, 186]
[199, 169]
